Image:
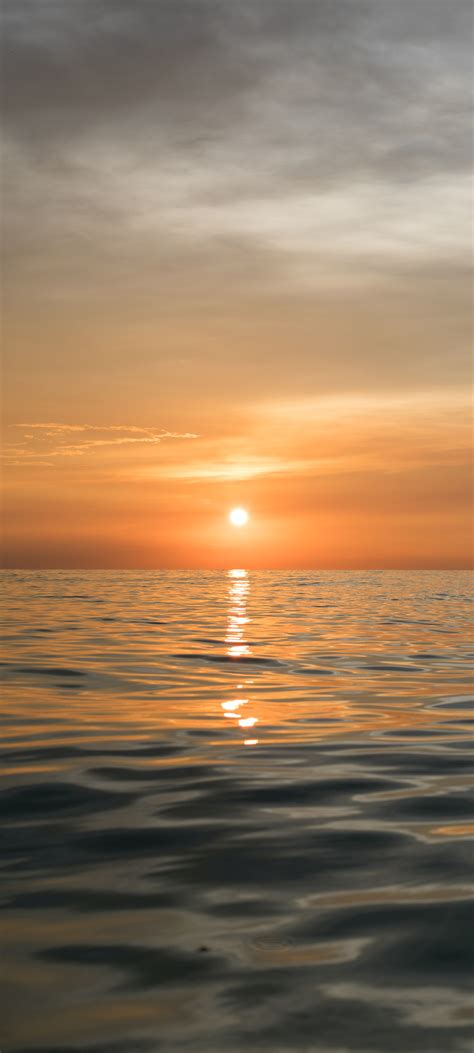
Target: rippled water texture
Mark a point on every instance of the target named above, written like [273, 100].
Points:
[236, 812]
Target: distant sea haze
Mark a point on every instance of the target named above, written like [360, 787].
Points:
[236, 812]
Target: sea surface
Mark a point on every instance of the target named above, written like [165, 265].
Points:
[236, 812]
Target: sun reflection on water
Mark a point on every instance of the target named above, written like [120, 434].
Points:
[237, 616]
[237, 646]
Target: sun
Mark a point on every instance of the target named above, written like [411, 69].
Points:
[239, 517]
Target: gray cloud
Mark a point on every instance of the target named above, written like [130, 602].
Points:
[309, 86]
[167, 156]
[257, 97]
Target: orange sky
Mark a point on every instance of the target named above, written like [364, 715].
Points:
[237, 271]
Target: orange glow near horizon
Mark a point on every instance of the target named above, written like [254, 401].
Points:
[355, 485]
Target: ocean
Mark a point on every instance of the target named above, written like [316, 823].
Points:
[236, 812]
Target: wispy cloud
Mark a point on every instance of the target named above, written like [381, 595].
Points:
[375, 405]
[46, 440]
[155, 433]
[231, 469]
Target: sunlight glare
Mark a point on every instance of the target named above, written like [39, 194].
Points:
[238, 517]
[248, 722]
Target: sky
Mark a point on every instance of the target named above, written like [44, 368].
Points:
[237, 270]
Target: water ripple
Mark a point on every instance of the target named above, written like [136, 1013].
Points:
[237, 811]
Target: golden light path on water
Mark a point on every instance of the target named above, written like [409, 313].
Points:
[237, 647]
[292, 654]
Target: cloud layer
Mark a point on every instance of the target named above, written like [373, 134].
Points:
[250, 221]
[290, 127]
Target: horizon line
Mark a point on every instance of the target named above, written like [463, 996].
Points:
[224, 569]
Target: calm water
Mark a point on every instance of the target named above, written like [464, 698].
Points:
[236, 812]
